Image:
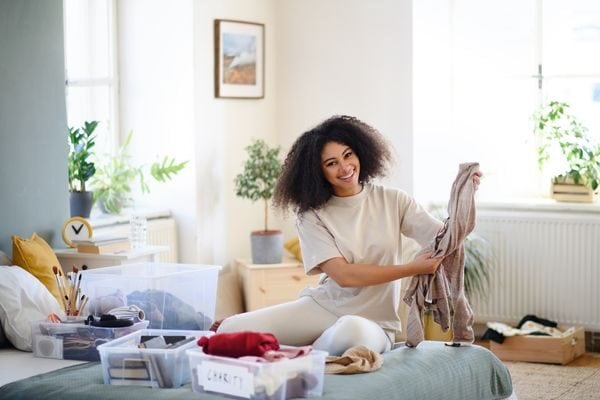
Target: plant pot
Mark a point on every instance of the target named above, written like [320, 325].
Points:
[572, 192]
[433, 331]
[267, 247]
[81, 203]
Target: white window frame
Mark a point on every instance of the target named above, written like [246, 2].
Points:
[111, 81]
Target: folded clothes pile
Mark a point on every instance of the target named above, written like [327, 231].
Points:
[529, 325]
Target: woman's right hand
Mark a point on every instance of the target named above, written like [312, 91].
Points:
[425, 265]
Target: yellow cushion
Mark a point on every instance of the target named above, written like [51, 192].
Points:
[37, 257]
[293, 246]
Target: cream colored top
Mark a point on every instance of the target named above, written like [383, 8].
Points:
[364, 228]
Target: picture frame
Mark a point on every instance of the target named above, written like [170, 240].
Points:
[239, 59]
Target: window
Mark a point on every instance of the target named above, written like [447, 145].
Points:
[477, 83]
[91, 68]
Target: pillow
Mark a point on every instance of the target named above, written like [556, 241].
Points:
[23, 300]
[4, 260]
[38, 258]
[293, 246]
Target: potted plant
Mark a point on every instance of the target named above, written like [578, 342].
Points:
[563, 136]
[257, 182]
[81, 168]
[116, 175]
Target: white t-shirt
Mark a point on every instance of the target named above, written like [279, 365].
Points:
[364, 228]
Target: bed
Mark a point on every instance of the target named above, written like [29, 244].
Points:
[431, 371]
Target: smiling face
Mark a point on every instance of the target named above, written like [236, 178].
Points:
[341, 168]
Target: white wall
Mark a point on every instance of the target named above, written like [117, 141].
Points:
[322, 58]
[347, 57]
[224, 127]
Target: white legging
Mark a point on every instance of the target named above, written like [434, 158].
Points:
[302, 322]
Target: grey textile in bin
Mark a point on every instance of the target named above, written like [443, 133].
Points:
[431, 371]
[172, 296]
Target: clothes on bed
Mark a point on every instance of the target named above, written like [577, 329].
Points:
[355, 360]
[447, 284]
[364, 228]
[239, 344]
[282, 353]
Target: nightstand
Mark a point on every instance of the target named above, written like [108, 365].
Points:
[269, 284]
[70, 257]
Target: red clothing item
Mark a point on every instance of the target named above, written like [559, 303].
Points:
[239, 344]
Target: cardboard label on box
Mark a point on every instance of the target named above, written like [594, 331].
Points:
[228, 379]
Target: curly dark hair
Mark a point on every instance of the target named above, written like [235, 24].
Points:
[302, 185]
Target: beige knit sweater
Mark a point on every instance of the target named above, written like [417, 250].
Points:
[444, 291]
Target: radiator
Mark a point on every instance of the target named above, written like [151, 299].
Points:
[161, 231]
[546, 263]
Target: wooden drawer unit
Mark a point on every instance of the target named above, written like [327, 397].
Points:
[269, 284]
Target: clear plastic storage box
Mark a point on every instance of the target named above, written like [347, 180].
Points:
[124, 363]
[278, 380]
[74, 341]
[172, 296]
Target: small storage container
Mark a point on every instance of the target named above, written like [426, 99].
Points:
[173, 296]
[240, 379]
[543, 349]
[74, 341]
[124, 363]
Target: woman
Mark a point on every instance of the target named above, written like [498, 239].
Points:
[350, 230]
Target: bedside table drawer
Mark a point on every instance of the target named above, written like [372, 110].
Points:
[288, 276]
[269, 284]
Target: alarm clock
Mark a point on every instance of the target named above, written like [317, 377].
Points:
[76, 228]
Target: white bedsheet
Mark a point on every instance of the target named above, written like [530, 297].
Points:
[16, 365]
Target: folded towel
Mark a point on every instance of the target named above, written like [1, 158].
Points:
[355, 360]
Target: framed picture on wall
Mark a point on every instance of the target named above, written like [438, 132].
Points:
[239, 59]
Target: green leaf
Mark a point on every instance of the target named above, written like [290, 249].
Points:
[81, 143]
[114, 179]
[557, 129]
[259, 176]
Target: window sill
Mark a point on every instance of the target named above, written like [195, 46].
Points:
[540, 205]
[99, 219]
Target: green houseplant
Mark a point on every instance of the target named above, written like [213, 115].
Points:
[257, 182]
[564, 137]
[116, 175]
[81, 167]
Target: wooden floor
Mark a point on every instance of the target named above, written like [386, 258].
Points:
[586, 360]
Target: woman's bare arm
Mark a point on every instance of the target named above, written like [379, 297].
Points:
[356, 275]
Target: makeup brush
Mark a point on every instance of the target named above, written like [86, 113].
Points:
[84, 301]
[60, 288]
[76, 291]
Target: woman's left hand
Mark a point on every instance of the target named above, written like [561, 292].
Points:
[477, 179]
